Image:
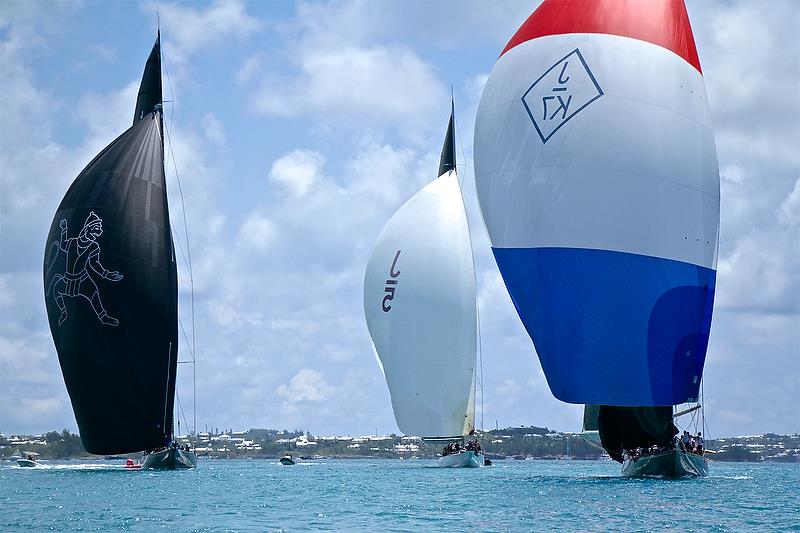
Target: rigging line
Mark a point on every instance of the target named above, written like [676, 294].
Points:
[183, 203]
[185, 228]
[180, 410]
[185, 337]
[166, 392]
[171, 94]
[477, 303]
[180, 247]
[703, 409]
[188, 248]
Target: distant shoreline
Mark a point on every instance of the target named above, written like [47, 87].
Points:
[518, 443]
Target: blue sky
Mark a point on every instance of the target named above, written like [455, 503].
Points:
[299, 128]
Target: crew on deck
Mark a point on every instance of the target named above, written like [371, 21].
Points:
[451, 448]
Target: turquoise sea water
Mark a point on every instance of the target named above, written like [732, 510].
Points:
[395, 495]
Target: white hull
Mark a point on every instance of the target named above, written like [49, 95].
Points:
[465, 459]
[27, 463]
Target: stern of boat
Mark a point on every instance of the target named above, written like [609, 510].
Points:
[169, 459]
[464, 459]
[672, 464]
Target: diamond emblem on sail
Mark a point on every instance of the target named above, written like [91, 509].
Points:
[559, 94]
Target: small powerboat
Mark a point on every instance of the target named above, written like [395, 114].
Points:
[130, 464]
[29, 460]
[287, 460]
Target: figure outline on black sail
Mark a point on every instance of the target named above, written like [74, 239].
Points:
[82, 251]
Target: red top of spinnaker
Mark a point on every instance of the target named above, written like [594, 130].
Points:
[662, 22]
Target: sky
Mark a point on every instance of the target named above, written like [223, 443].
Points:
[297, 130]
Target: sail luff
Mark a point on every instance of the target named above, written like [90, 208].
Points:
[469, 418]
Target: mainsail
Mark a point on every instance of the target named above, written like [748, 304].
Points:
[597, 178]
[111, 287]
[420, 306]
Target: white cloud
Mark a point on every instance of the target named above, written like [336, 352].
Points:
[306, 386]
[213, 128]
[258, 232]
[192, 30]
[250, 69]
[226, 315]
[507, 388]
[297, 171]
[789, 214]
[356, 84]
[41, 406]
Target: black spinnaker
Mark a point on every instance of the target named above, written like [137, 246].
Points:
[111, 288]
[628, 428]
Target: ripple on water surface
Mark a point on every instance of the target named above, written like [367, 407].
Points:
[384, 495]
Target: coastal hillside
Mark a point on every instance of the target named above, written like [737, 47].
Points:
[521, 442]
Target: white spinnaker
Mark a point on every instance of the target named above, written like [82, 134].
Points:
[425, 335]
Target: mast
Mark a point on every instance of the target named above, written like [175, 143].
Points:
[187, 256]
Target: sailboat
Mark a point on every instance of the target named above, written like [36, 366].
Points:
[421, 310]
[598, 182]
[111, 291]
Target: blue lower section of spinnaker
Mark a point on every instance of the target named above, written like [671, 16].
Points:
[613, 328]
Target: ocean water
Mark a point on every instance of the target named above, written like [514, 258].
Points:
[395, 495]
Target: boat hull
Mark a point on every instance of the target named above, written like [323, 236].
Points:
[671, 464]
[169, 459]
[27, 463]
[285, 461]
[465, 459]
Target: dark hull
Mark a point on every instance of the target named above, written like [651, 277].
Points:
[169, 459]
[671, 464]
